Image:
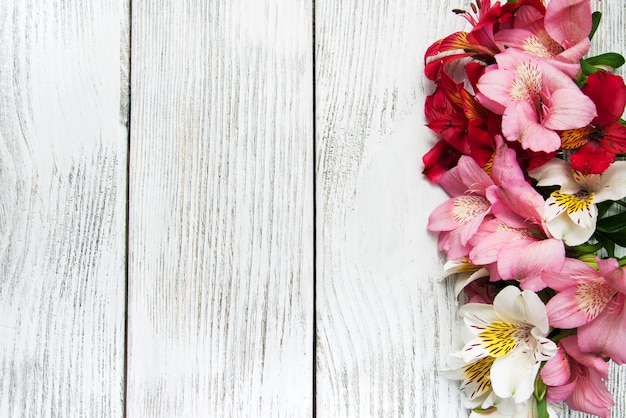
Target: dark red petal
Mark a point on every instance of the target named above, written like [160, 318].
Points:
[439, 160]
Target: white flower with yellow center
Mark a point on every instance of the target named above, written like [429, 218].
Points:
[570, 213]
[507, 346]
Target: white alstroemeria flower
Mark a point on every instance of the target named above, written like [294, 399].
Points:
[465, 271]
[570, 213]
[513, 333]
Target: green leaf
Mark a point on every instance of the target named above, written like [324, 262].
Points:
[596, 17]
[586, 69]
[613, 223]
[608, 59]
[606, 242]
[603, 207]
[618, 238]
[583, 250]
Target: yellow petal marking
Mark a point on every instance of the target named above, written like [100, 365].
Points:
[499, 338]
[574, 203]
[576, 138]
[479, 373]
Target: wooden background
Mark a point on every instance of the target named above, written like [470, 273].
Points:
[215, 209]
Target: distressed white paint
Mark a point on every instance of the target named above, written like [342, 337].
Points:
[62, 209]
[220, 300]
[384, 325]
[221, 211]
[379, 309]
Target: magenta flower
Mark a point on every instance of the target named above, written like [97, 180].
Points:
[561, 36]
[535, 99]
[593, 302]
[578, 378]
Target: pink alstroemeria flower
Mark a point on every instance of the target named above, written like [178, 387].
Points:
[593, 302]
[577, 378]
[458, 218]
[515, 244]
[535, 99]
[561, 36]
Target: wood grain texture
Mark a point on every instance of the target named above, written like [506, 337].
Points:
[384, 326]
[383, 323]
[221, 209]
[63, 149]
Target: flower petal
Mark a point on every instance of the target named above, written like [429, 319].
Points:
[526, 261]
[606, 335]
[515, 305]
[556, 173]
[568, 21]
[556, 371]
[611, 185]
[613, 273]
[565, 310]
[569, 109]
[572, 234]
[513, 376]
[494, 88]
[608, 92]
[520, 123]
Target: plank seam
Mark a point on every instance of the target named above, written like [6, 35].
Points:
[128, 202]
[314, 94]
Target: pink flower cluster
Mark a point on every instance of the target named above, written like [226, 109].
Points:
[531, 148]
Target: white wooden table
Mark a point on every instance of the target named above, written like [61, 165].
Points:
[214, 208]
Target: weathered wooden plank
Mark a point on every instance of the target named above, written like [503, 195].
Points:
[63, 149]
[384, 326]
[379, 310]
[221, 209]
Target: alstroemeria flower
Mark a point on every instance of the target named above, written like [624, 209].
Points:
[561, 36]
[455, 115]
[480, 42]
[570, 212]
[593, 302]
[458, 218]
[515, 241]
[605, 137]
[535, 100]
[513, 332]
[465, 272]
[578, 378]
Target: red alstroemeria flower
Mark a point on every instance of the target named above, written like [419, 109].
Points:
[605, 137]
[479, 42]
[466, 128]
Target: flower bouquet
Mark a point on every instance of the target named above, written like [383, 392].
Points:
[531, 153]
